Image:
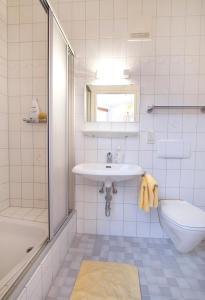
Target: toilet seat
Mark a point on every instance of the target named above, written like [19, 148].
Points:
[183, 214]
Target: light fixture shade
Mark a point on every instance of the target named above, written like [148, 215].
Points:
[124, 75]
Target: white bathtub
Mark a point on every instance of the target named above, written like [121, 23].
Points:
[16, 237]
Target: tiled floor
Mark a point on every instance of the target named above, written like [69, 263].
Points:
[165, 274]
[24, 213]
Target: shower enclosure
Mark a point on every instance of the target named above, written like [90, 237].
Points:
[36, 78]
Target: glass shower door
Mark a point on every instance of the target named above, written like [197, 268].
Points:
[58, 127]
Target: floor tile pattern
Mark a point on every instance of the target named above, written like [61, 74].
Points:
[165, 274]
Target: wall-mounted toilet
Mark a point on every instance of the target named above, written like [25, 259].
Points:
[183, 223]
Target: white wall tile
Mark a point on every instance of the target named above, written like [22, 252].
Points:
[106, 9]
[90, 226]
[103, 227]
[143, 229]
[178, 26]
[130, 212]
[193, 25]
[187, 194]
[130, 229]
[200, 156]
[92, 9]
[187, 179]
[199, 197]
[193, 7]
[90, 210]
[90, 193]
[116, 228]
[25, 78]
[173, 178]
[117, 212]
[178, 8]
[156, 230]
[163, 7]
[199, 182]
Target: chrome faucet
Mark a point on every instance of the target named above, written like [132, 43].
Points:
[109, 158]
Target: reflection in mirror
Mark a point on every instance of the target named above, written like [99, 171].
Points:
[111, 103]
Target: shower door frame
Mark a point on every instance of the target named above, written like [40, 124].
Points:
[69, 52]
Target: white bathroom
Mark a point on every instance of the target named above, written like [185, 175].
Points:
[102, 149]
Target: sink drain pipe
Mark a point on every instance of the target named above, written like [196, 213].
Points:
[109, 189]
[108, 198]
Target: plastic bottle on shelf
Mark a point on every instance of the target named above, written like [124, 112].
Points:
[34, 114]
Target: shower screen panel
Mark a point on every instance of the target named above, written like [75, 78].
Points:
[58, 127]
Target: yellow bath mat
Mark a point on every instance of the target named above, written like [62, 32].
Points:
[106, 280]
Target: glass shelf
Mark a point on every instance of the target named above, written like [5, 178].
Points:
[34, 122]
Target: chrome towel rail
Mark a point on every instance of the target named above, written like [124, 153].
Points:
[151, 108]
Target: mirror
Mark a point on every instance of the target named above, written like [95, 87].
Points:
[113, 103]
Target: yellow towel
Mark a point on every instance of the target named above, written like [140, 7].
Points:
[99, 280]
[148, 193]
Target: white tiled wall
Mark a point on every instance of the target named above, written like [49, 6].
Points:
[4, 162]
[169, 70]
[40, 282]
[27, 78]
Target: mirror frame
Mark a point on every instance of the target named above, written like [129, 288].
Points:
[89, 107]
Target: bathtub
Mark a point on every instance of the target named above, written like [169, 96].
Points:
[19, 241]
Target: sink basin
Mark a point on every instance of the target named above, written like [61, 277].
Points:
[108, 173]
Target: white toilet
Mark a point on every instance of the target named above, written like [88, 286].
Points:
[183, 223]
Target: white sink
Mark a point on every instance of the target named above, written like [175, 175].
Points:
[108, 173]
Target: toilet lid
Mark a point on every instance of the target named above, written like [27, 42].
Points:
[183, 213]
